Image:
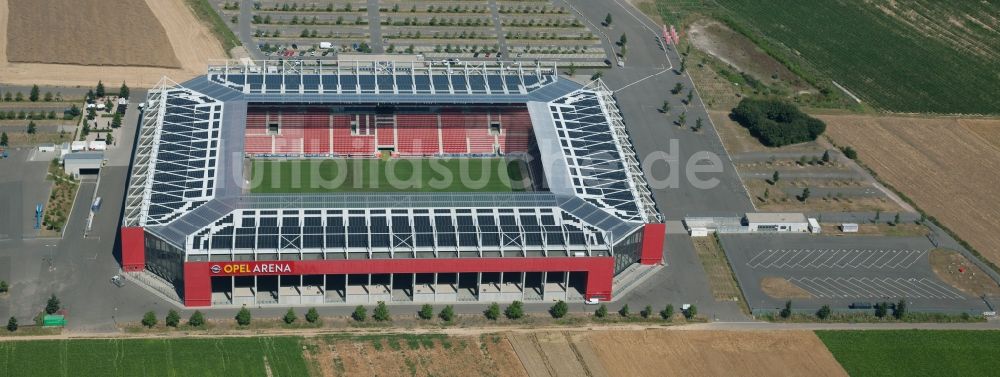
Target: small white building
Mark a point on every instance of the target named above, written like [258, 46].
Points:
[78, 146]
[699, 232]
[777, 222]
[849, 227]
[47, 147]
[325, 45]
[98, 145]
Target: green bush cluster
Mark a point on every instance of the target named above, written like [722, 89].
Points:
[777, 123]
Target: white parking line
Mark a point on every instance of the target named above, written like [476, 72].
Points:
[903, 253]
[832, 255]
[752, 262]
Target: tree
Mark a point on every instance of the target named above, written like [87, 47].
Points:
[3, 143]
[881, 309]
[923, 218]
[3, 283]
[691, 312]
[123, 91]
[624, 311]
[678, 87]
[787, 311]
[899, 310]
[878, 215]
[775, 177]
[601, 312]
[607, 20]
[514, 311]
[682, 119]
[48, 97]
[776, 123]
[116, 121]
[665, 108]
[196, 319]
[690, 96]
[243, 317]
[312, 315]
[823, 312]
[33, 96]
[173, 318]
[622, 40]
[492, 312]
[149, 319]
[52, 306]
[849, 153]
[290, 316]
[767, 193]
[826, 157]
[805, 194]
[32, 128]
[646, 312]
[12, 324]
[426, 312]
[381, 312]
[19, 97]
[895, 220]
[684, 65]
[8, 97]
[447, 314]
[360, 313]
[667, 312]
[99, 92]
[698, 124]
[559, 310]
[571, 70]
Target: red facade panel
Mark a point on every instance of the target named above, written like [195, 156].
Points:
[197, 285]
[133, 248]
[652, 243]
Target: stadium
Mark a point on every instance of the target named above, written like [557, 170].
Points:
[281, 182]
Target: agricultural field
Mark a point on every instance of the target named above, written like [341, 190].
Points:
[713, 353]
[260, 356]
[396, 175]
[914, 352]
[140, 43]
[413, 355]
[945, 165]
[920, 56]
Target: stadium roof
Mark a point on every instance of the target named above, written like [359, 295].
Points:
[186, 184]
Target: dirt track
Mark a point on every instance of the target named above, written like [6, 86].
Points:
[946, 165]
[191, 42]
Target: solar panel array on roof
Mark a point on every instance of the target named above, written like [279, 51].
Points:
[183, 173]
[485, 229]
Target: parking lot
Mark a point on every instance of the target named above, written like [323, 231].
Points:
[839, 271]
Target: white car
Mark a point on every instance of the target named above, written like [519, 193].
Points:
[592, 301]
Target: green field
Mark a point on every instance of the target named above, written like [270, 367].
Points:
[915, 352]
[395, 175]
[913, 63]
[154, 357]
[915, 56]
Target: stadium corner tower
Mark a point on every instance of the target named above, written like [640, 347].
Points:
[194, 222]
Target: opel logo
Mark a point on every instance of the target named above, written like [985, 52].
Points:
[216, 269]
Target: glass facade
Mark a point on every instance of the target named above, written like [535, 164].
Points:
[166, 261]
[627, 251]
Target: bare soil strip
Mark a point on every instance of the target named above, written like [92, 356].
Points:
[781, 288]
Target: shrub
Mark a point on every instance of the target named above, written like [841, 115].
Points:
[559, 310]
[243, 317]
[290, 316]
[492, 312]
[849, 152]
[360, 313]
[312, 315]
[667, 312]
[197, 319]
[515, 310]
[52, 306]
[691, 312]
[646, 312]
[12, 324]
[601, 312]
[149, 319]
[426, 312]
[899, 310]
[447, 314]
[823, 312]
[173, 319]
[776, 123]
[3, 283]
[787, 311]
[624, 311]
[381, 312]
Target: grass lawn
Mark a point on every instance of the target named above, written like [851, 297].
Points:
[915, 352]
[154, 357]
[395, 175]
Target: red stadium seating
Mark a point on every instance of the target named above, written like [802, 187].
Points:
[317, 131]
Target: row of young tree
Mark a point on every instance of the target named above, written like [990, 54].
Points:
[35, 94]
[898, 310]
[777, 123]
